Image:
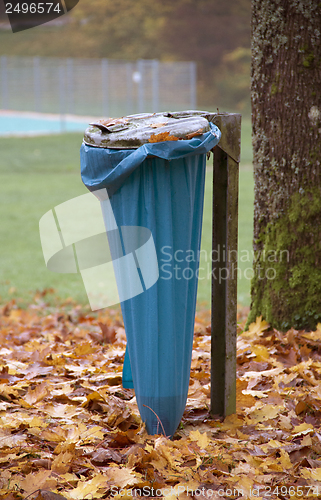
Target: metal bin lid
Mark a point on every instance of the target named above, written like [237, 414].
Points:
[131, 132]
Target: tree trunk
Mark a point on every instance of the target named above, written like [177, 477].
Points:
[286, 117]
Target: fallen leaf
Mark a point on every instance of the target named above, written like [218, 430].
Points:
[158, 125]
[201, 439]
[36, 481]
[258, 327]
[36, 394]
[163, 136]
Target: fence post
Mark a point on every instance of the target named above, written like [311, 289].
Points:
[62, 96]
[224, 265]
[37, 84]
[140, 83]
[155, 86]
[70, 85]
[129, 89]
[4, 83]
[104, 87]
[193, 80]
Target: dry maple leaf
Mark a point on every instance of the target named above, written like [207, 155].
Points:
[163, 136]
[200, 438]
[89, 489]
[36, 394]
[258, 327]
[108, 122]
[108, 333]
[33, 481]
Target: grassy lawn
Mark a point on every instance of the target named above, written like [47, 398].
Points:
[39, 173]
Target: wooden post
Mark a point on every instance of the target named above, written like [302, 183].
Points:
[224, 265]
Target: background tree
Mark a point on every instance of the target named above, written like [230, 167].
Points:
[286, 114]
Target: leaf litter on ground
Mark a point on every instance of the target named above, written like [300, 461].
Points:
[68, 430]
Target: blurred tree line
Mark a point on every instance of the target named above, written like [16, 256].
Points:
[213, 33]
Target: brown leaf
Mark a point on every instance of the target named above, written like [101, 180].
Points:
[36, 394]
[62, 463]
[301, 407]
[34, 481]
[44, 463]
[194, 134]
[163, 136]
[105, 456]
[108, 333]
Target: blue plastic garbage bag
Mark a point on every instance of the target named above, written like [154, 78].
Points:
[158, 186]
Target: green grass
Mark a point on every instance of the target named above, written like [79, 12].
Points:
[38, 173]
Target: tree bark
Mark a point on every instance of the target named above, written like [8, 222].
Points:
[286, 118]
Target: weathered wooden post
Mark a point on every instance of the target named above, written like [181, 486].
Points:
[224, 264]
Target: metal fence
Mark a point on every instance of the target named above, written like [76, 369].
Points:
[95, 87]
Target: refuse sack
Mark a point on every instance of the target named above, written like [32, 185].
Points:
[158, 186]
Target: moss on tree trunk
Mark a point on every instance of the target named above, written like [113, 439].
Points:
[286, 116]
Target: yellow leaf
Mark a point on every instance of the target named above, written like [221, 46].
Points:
[60, 410]
[51, 436]
[61, 463]
[11, 440]
[84, 348]
[311, 473]
[231, 422]
[306, 441]
[160, 464]
[37, 422]
[267, 412]
[302, 429]
[261, 352]
[285, 422]
[258, 327]
[122, 477]
[313, 335]
[94, 396]
[8, 392]
[92, 434]
[285, 460]
[201, 439]
[89, 489]
[271, 444]
[270, 465]
[245, 484]
[36, 480]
